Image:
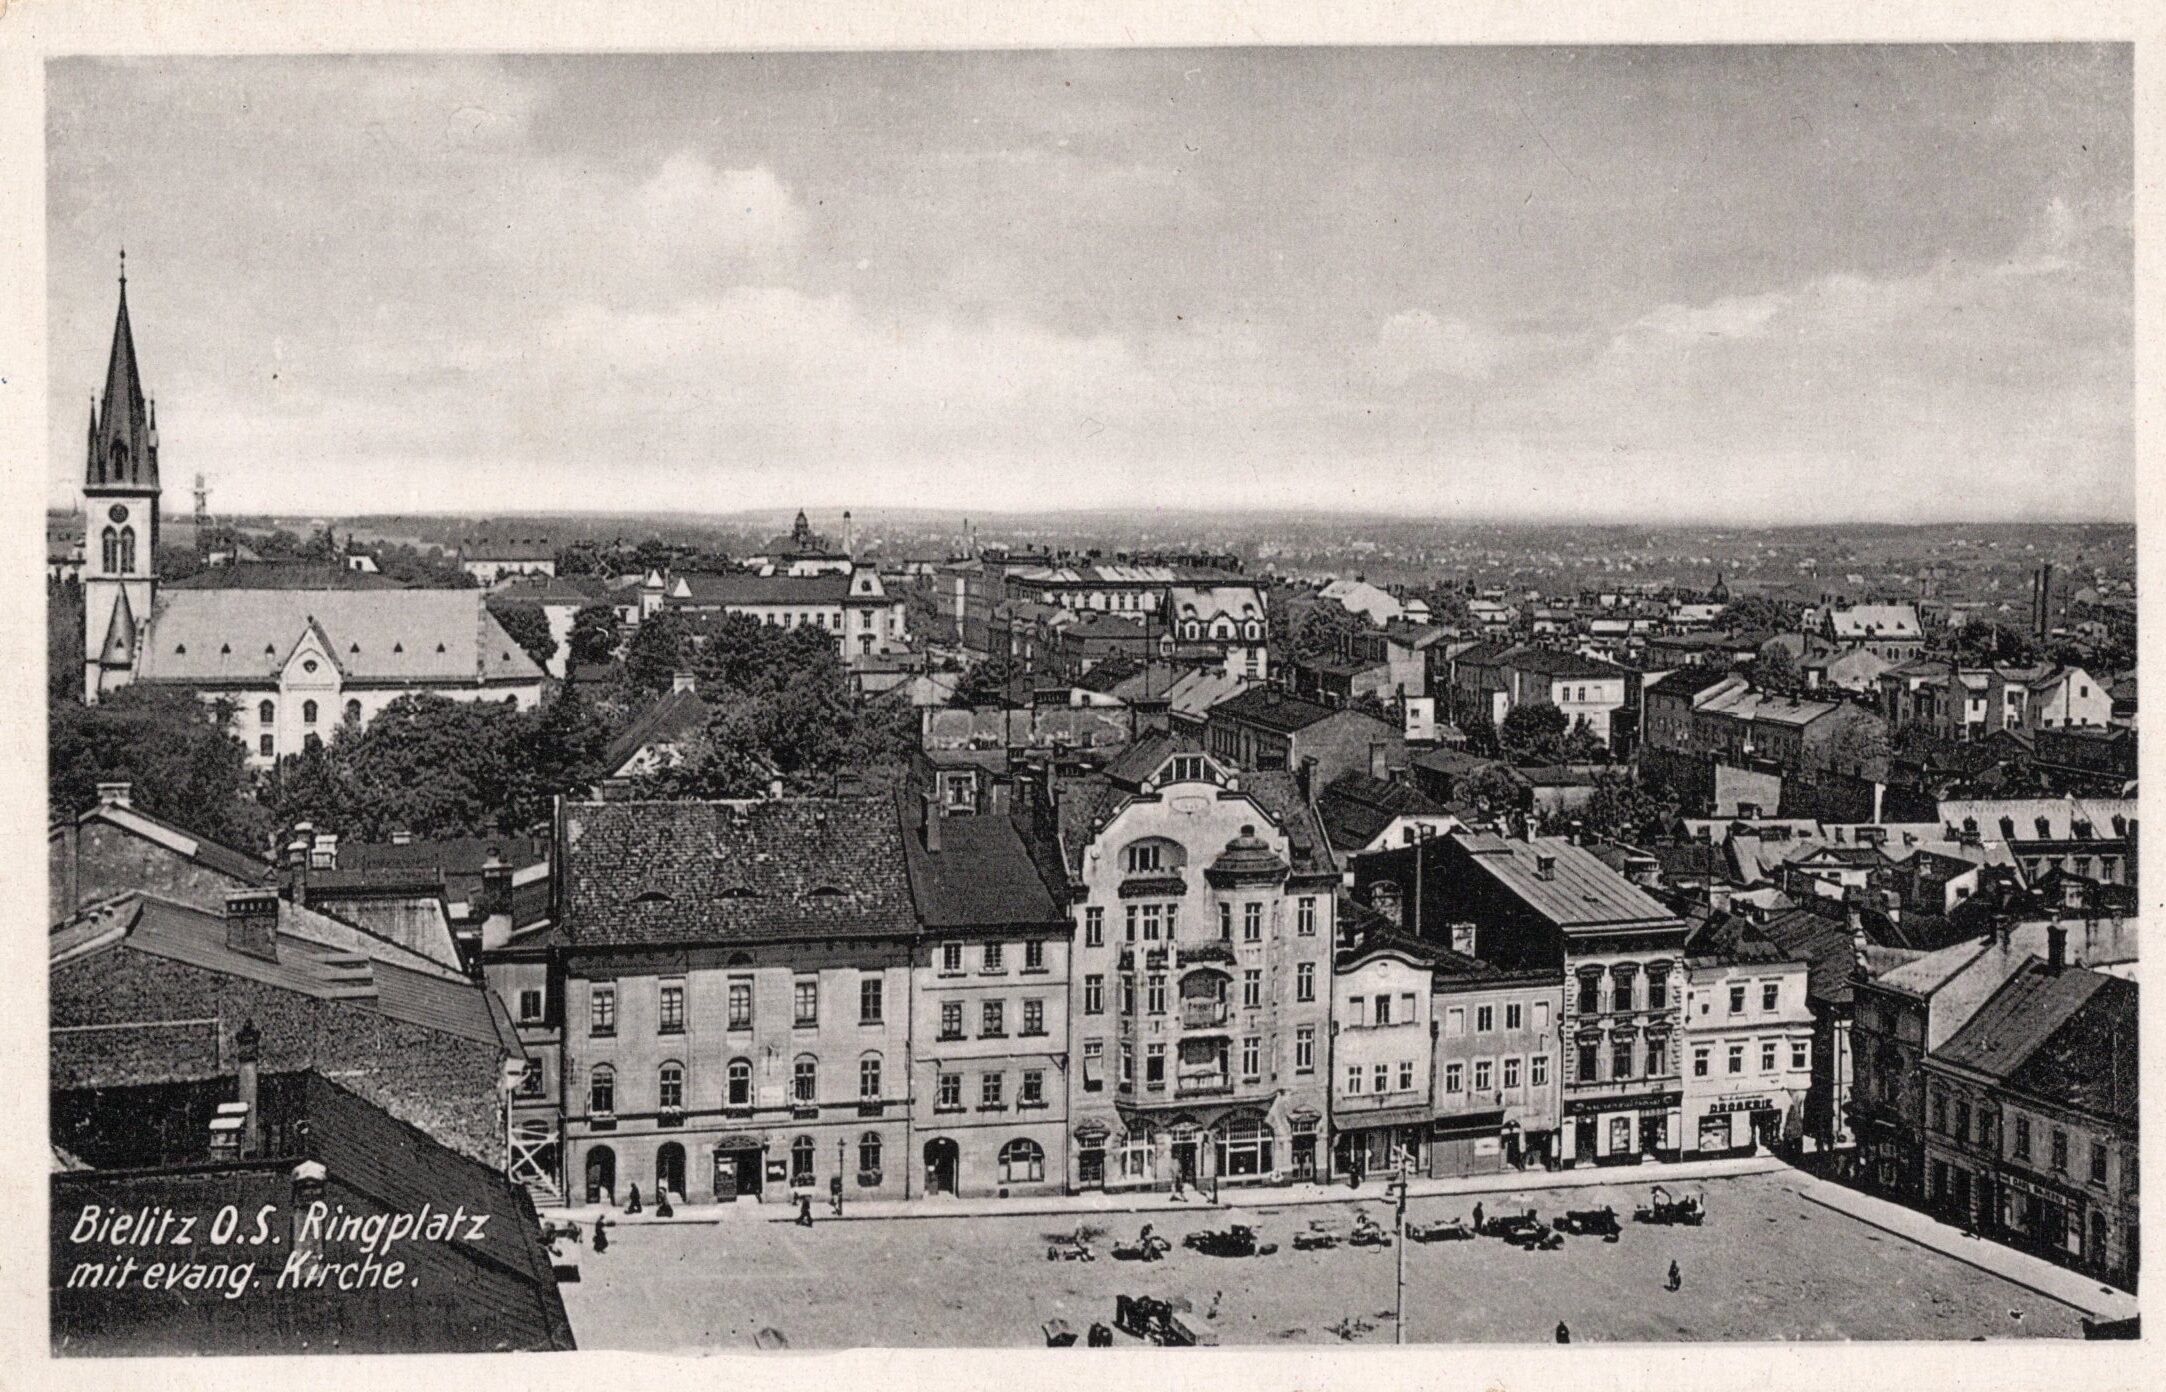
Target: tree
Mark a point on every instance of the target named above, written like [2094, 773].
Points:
[64, 642]
[1754, 612]
[1989, 642]
[432, 766]
[1621, 809]
[1325, 633]
[987, 683]
[1536, 729]
[556, 749]
[1775, 670]
[595, 633]
[528, 625]
[172, 746]
[659, 650]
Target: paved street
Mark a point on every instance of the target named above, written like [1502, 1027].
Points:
[1768, 1264]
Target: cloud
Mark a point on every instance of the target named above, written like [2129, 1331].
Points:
[1416, 343]
[692, 203]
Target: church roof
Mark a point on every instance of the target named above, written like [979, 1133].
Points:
[123, 434]
[209, 637]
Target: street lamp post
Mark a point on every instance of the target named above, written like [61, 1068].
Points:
[1398, 1318]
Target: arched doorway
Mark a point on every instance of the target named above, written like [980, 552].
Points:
[601, 1175]
[943, 1158]
[1022, 1161]
[669, 1170]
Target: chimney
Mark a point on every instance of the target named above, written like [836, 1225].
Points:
[931, 825]
[1463, 938]
[324, 854]
[1271, 694]
[402, 838]
[297, 857]
[1305, 777]
[307, 1233]
[2056, 948]
[247, 1045]
[116, 794]
[1379, 755]
[1545, 867]
[1384, 897]
[683, 681]
[252, 922]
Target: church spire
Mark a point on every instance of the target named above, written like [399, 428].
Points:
[123, 449]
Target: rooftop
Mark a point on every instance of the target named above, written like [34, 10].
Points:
[1576, 891]
[372, 636]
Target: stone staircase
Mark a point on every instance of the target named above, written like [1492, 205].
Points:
[545, 1193]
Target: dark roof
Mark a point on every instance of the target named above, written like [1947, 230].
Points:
[983, 876]
[1483, 654]
[1357, 808]
[669, 717]
[651, 873]
[1688, 682]
[212, 855]
[284, 575]
[1579, 892]
[508, 549]
[1726, 938]
[1274, 709]
[1552, 662]
[1088, 801]
[456, 859]
[1689, 859]
[1825, 945]
[497, 1293]
[766, 590]
[2022, 1036]
[1143, 758]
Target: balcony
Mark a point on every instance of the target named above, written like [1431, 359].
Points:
[1204, 1014]
[1204, 952]
[1204, 1085]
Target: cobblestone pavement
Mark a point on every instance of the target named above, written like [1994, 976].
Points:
[1767, 1265]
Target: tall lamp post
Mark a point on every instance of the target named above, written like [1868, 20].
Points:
[1398, 1317]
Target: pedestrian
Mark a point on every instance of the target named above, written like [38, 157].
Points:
[1180, 1187]
[661, 1204]
[804, 1210]
[1677, 1278]
[1564, 1335]
[834, 1196]
[1478, 1224]
[632, 1205]
[601, 1233]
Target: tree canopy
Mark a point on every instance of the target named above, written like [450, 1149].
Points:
[171, 745]
[528, 625]
[595, 633]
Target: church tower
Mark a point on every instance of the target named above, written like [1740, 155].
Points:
[120, 509]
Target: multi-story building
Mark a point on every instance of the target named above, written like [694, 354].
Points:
[989, 1004]
[853, 606]
[1382, 1100]
[2090, 838]
[1971, 703]
[1264, 728]
[1200, 998]
[737, 992]
[1888, 631]
[1228, 621]
[490, 559]
[1498, 1070]
[1535, 904]
[1822, 938]
[2031, 1110]
[1748, 1040]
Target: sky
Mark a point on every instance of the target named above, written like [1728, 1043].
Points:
[1739, 285]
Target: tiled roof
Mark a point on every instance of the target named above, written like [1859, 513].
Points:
[1207, 602]
[213, 855]
[651, 873]
[1550, 662]
[1728, 938]
[1580, 891]
[1875, 621]
[983, 875]
[1357, 808]
[2029, 1006]
[508, 549]
[1274, 709]
[283, 575]
[1087, 801]
[444, 637]
[2090, 1062]
[553, 590]
[2059, 814]
[1825, 945]
[759, 590]
[1688, 682]
[668, 718]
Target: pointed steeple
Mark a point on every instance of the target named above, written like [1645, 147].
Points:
[123, 448]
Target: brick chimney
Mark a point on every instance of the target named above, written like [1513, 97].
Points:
[252, 922]
[2056, 948]
[1385, 898]
[323, 854]
[929, 823]
[1305, 777]
[1545, 867]
[683, 681]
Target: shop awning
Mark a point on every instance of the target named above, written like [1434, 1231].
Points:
[1390, 1116]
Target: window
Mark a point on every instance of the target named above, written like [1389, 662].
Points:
[1800, 1054]
[1769, 990]
[1589, 1071]
[1357, 1009]
[1022, 1162]
[1033, 1017]
[1094, 994]
[670, 1013]
[1353, 1080]
[1590, 994]
[266, 713]
[871, 1000]
[1383, 1009]
[669, 1087]
[739, 1086]
[1657, 1055]
[1094, 1058]
[1407, 1013]
[1621, 1059]
[1511, 1072]
[1305, 982]
[991, 960]
[532, 1082]
[1094, 927]
[1538, 1071]
[263, 746]
[1128, 1064]
[1406, 1075]
[868, 1078]
[602, 1090]
[1515, 1016]
[1382, 1078]
[1130, 915]
[868, 1157]
[1128, 994]
[1962, 1121]
[1153, 916]
[990, 1091]
[1251, 989]
[1252, 922]
[951, 958]
[1305, 1049]
[1154, 1064]
[1154, 994]
[1455, 1021]
[530, 1006]
[740, 1005]
[1699, 1061]
[2060, 1151]
[1485, 1018]
[805, 1081]
[1737, 1000]
[1252, 1057]
[801, 1160]
[2098, 1162]
[951, 1019]
[1658, 991]
[1145, 858]
[1305, 916]
[1225, 922]
[1541, 1008]
[1034, 955]
[1737, 1058]
[1621, 992]
[991, 1024]
[1454, 1076]
[1484, 1071]
[602, 1011]
[807, 1013]
[1767, 1056]
[1032, 1093]
[353, 712]
[308, 712]
[949, 1098]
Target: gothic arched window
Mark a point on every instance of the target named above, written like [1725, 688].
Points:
[127, 549]
[111, 551]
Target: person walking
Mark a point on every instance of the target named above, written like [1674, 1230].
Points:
[632, 1204]
[1677, 1278]
[804, 1210]
[661, 1204]
[1478, 1224]
[1180, 1186]
[1564, 1335]
[601, 1232]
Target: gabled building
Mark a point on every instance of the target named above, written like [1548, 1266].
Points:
[854, 607]
[1265, 729]
[491, 559]
[1748, 1039]
[1229, 622]
[1888, 631]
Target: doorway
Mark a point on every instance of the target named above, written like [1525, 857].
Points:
[1184, 1161]
[1583, 1133]
[601, 1175]
[736, 1173]
[669, 1170]
[943, 1158]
